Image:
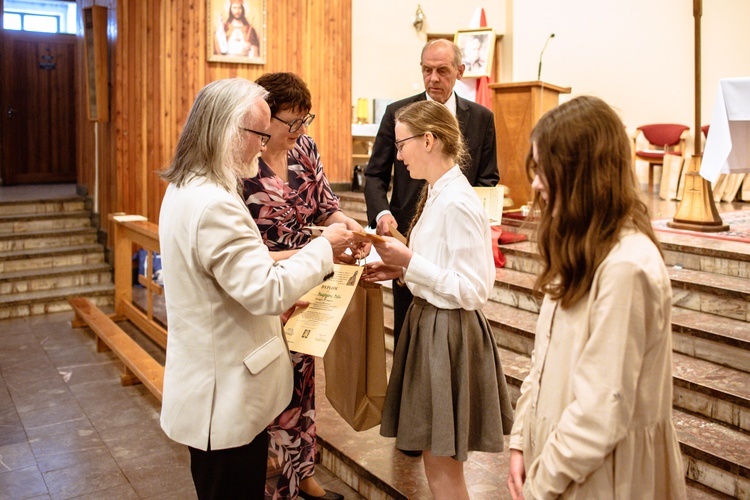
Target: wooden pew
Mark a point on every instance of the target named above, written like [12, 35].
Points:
[130, 231]
[139, 365]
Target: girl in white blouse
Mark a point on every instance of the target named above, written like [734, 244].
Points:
[594, 419]
[447, 393]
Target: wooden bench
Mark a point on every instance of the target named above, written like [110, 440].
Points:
[139, 366]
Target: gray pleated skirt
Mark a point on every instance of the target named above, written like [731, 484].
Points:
[447, 391]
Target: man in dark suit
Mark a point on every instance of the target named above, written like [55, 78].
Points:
[441, 67]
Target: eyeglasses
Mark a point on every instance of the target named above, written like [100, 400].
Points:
[295, 125]
[400, 144]
[263, 136]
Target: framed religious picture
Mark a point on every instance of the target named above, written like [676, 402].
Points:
[237, 31]
[477, 47]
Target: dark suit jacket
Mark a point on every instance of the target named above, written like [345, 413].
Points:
[478, 129]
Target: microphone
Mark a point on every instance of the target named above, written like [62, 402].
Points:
[539, 72]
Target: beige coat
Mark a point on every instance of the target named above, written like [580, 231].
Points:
[594, 417]
[228, 372]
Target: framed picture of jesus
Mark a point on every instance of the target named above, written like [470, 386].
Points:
[237, 31]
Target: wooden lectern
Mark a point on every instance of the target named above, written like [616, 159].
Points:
[517, 108]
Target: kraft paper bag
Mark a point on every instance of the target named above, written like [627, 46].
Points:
[355, 360]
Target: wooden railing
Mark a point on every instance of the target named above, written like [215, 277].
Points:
[130, 231]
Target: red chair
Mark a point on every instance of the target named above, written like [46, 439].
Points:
[662, 138]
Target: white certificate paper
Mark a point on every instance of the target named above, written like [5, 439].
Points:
[492, 201]
[311, 329]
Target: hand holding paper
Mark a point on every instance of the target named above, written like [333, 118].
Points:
[378, 271]
[384, 225]
[338, 236]
[393, 252]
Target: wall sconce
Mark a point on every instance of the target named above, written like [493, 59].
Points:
[419, 19]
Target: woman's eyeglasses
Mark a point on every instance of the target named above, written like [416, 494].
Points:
[400, 144]
[295, 125]
[263, 136]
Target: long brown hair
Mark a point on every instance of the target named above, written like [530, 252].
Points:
[430, 116]
[584, 160]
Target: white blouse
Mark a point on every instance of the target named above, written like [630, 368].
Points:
[452, 266]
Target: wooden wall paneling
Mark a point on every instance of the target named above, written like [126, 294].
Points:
[141, 109]
[165, 144]
[328, 64]
[159, 62]
[84, 135]
[108, 160]
[120, 99]
[153, 128]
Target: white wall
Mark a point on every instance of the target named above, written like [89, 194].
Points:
[386, 47]
[636, 54]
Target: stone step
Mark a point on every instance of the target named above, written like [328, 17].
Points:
[376, 470]
[50, 258]
[709, 390]
[35, 280]
[352, 201]
[730, 258]
[55, 300]
[714, 455]
[723, 341]
[24, 223]
[718, 295]
[47, 239]
[43, 206]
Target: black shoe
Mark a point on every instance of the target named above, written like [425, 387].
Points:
[330, 495]
[411, 453]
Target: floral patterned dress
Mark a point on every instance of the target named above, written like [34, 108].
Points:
[282, 211]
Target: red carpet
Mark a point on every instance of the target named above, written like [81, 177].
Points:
[739, 227]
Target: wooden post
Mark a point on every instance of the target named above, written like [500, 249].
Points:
[697, 210]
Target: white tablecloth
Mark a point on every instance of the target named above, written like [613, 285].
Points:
[728, 143]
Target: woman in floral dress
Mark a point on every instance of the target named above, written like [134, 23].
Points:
[289, 194]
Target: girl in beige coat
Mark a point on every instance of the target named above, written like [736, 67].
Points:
[594, 416]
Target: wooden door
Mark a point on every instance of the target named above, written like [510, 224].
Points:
[38, 107]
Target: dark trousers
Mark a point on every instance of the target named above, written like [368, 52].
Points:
[231, 473]
[401, 301]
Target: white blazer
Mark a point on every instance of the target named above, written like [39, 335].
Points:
[228, 372]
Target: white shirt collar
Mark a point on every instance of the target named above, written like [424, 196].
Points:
[444, 180]
[450, 103]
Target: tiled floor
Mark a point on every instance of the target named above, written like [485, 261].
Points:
[68, 429]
